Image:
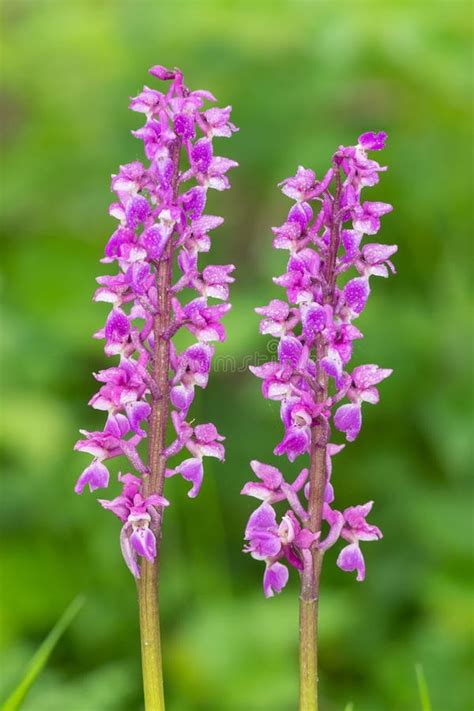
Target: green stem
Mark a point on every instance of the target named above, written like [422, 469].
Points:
[310, 580]
[150, 638]
[308, 656]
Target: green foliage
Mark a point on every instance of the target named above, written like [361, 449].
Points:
[42, 656]
[422, 688]
[303, 76]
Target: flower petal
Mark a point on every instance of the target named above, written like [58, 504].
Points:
[95, 476]
[351, 558]
[274, 579]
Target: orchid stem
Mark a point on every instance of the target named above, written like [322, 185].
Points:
[154, 482]
[308, 655]
[150, 637]
[310, 580]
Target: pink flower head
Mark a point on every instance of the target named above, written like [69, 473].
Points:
[327, 286]
[159, 206]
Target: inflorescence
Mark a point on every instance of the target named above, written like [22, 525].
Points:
[160, 210]
[310, 377]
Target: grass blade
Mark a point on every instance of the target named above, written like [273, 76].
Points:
[422, 688]
[42, 655]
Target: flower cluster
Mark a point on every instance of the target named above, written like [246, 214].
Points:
[311, 376]
[160, 209]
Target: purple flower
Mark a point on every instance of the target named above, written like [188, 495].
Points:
[327, 286]
[275, 578]
[201, 320]
[136, 514]
[371, 141]
[356, 293]
[279, 318]
[273, 488]
[301, 185]
[215, 122]
[159, 206]
[348, 418]
[356, 529]
[95, 476]
[191, 369]
[270, 542]
[202, 441]
[366, 217]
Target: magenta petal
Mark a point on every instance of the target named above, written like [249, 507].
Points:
[144, 542]
[263, 544]
[378, 253]
[289, 351]
[364, 376]
[137, 412]
[182, 397]
[295, 442]
[271, 476]
[274, 579]
[335, 519]
[95, 476]
[356, 293]
[119, 506]
[332, 365]
[372, 141]
[117, 326]
[264, 517]
[192, 470]
[128, 551]
[162, 73]
[276, 310]
[207, 433]
[348, 419]
[201, 154]
[257, 490]
[137, 211]
[351, 558]
[156, 500]
[314, 320]
[154, 241]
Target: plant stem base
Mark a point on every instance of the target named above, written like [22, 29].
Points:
[150, 637]
[308, 656]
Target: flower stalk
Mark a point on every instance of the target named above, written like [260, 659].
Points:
[148, 583]
[150, 639]
[311, 377]
[161, 224]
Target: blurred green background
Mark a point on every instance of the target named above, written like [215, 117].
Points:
[303, 77]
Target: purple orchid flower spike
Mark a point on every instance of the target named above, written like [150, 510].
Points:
[324, 234]
[160, 207]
